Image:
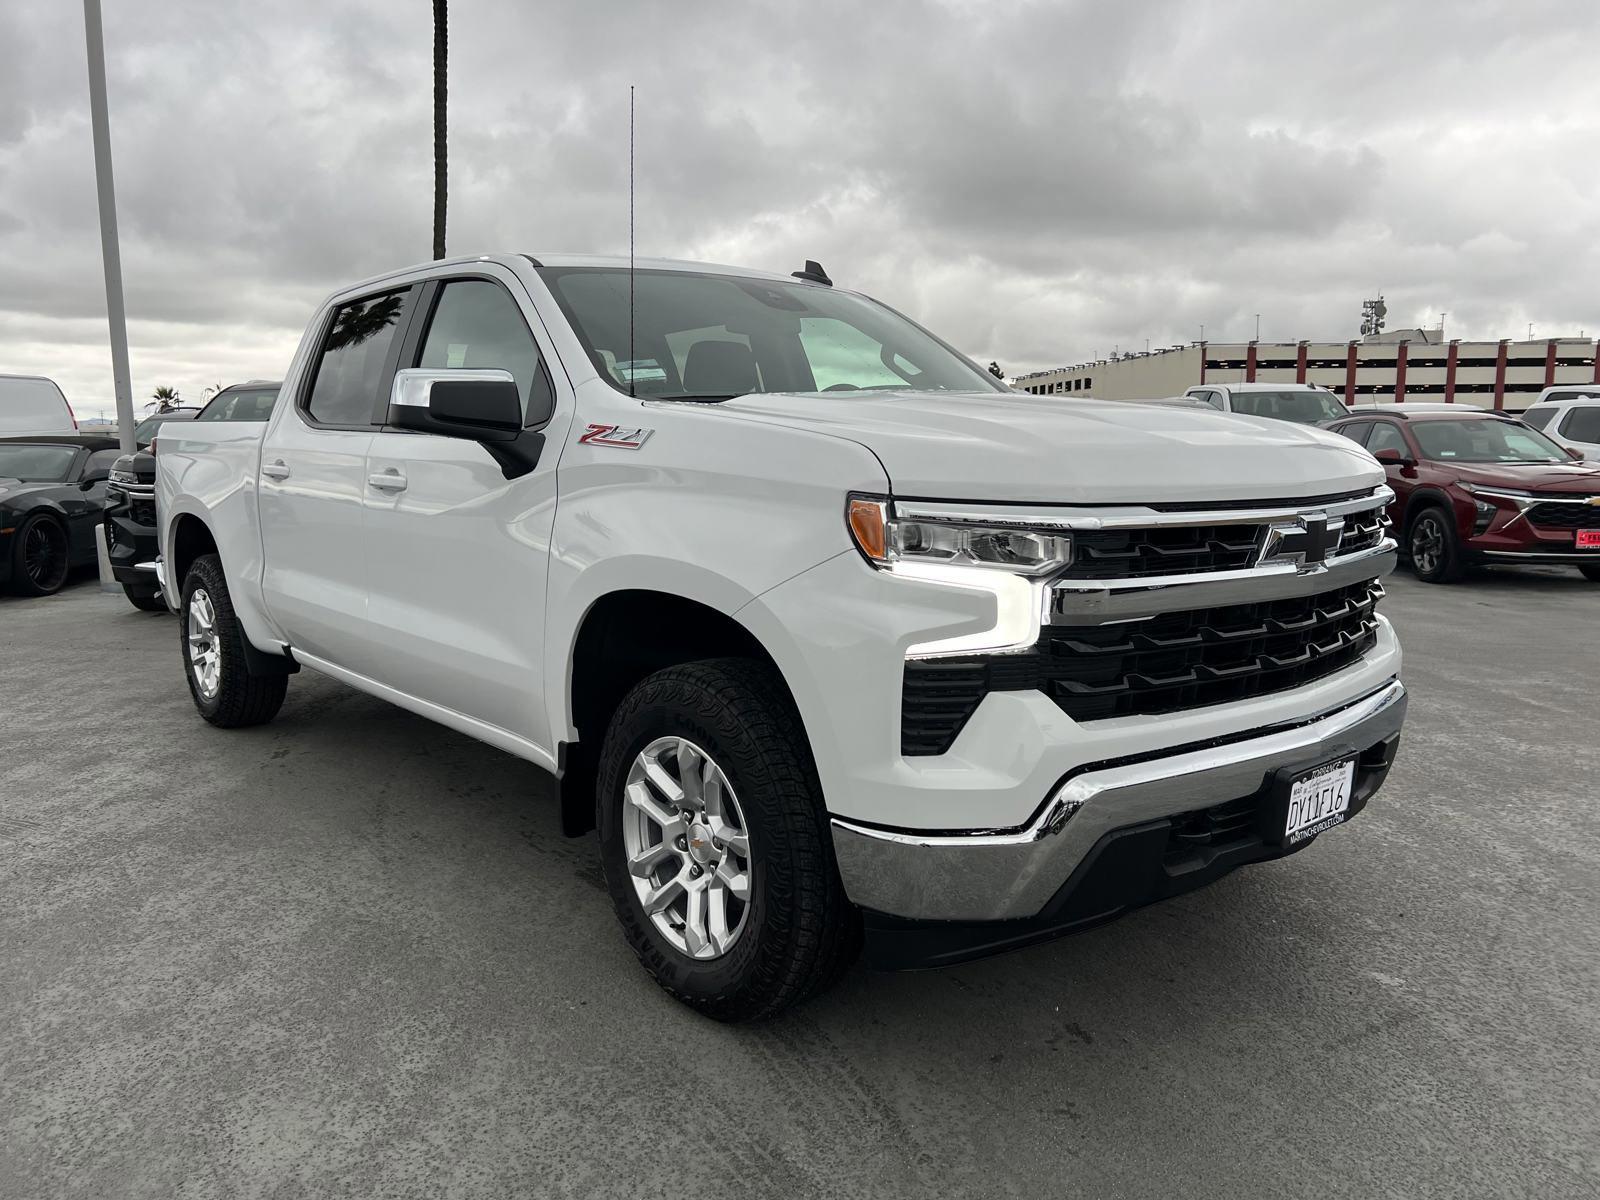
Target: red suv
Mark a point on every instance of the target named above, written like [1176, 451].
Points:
[1480, 487]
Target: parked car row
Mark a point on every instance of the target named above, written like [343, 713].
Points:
[56, 485]
[1476, 488]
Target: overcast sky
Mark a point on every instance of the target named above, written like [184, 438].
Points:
[1038, 182]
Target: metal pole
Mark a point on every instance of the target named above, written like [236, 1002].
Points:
[121, 378]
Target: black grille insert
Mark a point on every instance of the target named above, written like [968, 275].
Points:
[1564, 516]
[1168, 663]
[1163, 550]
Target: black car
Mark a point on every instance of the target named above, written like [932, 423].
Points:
[52, 493]
[131, 530]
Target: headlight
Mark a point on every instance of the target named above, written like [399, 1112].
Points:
[118, 476]
[1520, 499]
[887, 539]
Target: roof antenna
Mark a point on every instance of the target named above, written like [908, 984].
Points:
[633, 369]
[813, 273]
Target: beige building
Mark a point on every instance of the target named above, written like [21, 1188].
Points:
[1412, 364]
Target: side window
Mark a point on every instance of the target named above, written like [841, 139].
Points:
[1582, 424]
[1386, 437]
[476, 324]
[354, 356]
[1538, 417]
[1356, 431]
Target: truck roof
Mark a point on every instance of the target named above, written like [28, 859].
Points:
[1266, 387]
[558, 259]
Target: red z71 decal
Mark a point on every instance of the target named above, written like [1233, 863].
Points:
[614, 436]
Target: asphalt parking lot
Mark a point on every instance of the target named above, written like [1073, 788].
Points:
[349, 954]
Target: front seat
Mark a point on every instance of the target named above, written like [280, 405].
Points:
[720, 369]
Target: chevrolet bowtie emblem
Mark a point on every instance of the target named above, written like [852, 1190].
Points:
[1307, 541]
[1594, 500]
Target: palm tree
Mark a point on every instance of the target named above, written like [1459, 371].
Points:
[440, 53]
[165, 398]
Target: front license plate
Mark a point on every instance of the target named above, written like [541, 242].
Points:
[1589, 539]
[1319, 800]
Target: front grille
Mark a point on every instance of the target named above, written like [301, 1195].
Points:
[1564, 516]
[1363, 531]
[142, 512]
[1168, 663]
[1163, 550]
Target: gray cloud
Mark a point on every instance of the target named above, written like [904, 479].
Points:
[1037, 181]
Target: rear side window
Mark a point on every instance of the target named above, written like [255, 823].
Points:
[1582, 424]
[240, 404]
[1538, 417]
[33, 406]
[476, 324]
[355, 360]
[1356, 431]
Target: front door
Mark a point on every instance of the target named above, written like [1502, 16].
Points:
[312, 480]
[456, 552]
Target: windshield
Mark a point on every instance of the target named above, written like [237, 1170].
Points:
[1490, 441]
[36, 464]
[240, 404]
[711, 337]
[1305, 408]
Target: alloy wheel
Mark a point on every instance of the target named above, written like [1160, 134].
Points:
[44, 555]
[205, 653]
[1427, 545]
[687, 846]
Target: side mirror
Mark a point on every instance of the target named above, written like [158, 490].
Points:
[90, 478]
[1574, 452]
[482, 406]
[1390, 457]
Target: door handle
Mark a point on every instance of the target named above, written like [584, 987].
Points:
[275, 470]
[387, 481]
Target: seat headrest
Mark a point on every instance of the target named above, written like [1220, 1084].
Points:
[720, 369]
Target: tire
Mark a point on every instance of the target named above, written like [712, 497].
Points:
[209, 633]
[144, 601]
[795, 932]
[40, 556]
[1434, 547]
[1592, 574]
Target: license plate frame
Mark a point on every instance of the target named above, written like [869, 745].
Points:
[1588, 539]
[1291, 783]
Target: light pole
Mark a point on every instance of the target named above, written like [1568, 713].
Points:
[121, 381]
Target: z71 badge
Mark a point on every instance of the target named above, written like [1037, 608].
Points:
[614, 436]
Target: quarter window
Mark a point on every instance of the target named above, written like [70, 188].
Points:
[354, 355]
[1538, 417]
[477, 325]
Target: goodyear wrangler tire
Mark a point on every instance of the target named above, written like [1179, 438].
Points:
[715, 842]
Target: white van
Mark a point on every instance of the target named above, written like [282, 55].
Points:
[31, 405]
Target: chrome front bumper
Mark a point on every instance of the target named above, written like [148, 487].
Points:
[997, 875]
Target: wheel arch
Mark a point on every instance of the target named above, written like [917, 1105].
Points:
[623, 636]
[190, 537]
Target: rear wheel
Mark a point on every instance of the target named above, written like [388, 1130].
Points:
[715, 842]
[224, 689]
[1432, 544]
[144, 599]
[39, 556]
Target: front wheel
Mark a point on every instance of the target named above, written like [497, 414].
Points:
[40, 556]
[1432, 543]
[224, 689]
[715, 843]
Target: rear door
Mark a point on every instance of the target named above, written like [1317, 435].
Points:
[457, 553]
[312, 479]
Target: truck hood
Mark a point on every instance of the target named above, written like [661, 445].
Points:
[986, 446]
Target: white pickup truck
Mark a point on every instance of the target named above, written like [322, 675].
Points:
[833, 637]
